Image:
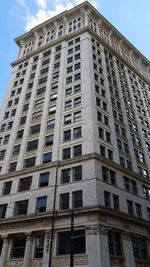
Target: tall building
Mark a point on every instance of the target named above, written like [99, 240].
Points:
[75, 135]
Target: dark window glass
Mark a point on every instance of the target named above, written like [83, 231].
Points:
[39, 246]
[77, 199]
[7, 188]
[21, 207]
[64, 201]
[139, 248]
[41, 204]
[77, 173]
[25, 184]
[115, 244]
[65, 176]
[30, 162]
[18, 248]
[63, 242]
[44, 179]
[3, 209]
[47, 157]
[32, 145]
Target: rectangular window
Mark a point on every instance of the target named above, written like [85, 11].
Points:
[64, 201]
[49, 140]
[44, 179]
[77, 173]
[12, 166]
[47, 157]
[65, 176]
[67, 135]
[77, 132]
[77, 116]
[41, 204]
[107, 200]
[35, 129]
[63, 241]
[39, 245]
[139, 248]
[3, 209]
[115, 244]
[32, 145]
[21, 207]
[16, 150]
[7, 188]
[51, 124]
[25, 184]
[77, 150]
[77, 200]
[30, 162]
[66, 153]
[18, 248]
[130, 207]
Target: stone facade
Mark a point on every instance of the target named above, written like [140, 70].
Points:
[74, 134]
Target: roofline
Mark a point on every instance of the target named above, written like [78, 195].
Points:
[67, 12]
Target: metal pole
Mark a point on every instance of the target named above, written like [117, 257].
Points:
[72, 240]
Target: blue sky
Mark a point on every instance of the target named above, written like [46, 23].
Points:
[130, 17]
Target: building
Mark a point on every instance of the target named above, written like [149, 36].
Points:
[75, 134]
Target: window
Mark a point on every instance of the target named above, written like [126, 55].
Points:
[107, 201]
[41, 204]
[139, 248]
[67, 119]
[77, 132]
[108, 175]
[67, 135]
[130, 185]
[41, 91]
[77, 76]
[138, 210]
[18, 248]
[102, 151]
[51, 124]
[146, 192]
[23, 120]
[32, 145]
[63, 241]
[77, 199]
[47, 157]
[1, 246]
[64, 201]
[3, 209]
[77, 150]
[25, 184]
[77, 102]
[65, 176]
[77, 173]
[39, 246]
[21, 207]
[77, 116]
[66, 153]
[130, 207]
[68, 104]
[30, 162]
[116, 202]
[2, 154]
[49, 140]
[7, 188]
[35, 129]
[12, 166]
[115, 244]
[19, 134]
[77, 88]
[16, 150]
[52, 110]
[44, 179]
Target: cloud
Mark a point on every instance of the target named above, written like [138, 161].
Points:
[44, 10]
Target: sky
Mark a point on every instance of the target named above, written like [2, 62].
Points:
[130, 17]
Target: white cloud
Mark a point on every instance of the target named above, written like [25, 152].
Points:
[41, 3]
[44, 11]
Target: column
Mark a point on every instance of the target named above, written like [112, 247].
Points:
[47, 241]
[98, 250]
[4, 252]
[128, 250]
[28, 250]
